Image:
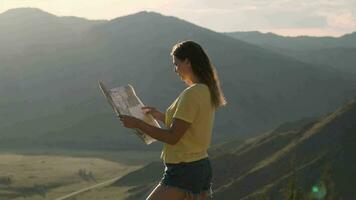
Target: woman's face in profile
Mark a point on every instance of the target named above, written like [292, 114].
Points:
[182, 68]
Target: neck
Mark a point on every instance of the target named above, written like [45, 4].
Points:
[192, 80]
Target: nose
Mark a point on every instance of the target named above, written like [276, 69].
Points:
[175, 69]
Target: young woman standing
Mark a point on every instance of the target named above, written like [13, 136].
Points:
[190, 120]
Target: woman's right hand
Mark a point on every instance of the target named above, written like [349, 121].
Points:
[154, 112]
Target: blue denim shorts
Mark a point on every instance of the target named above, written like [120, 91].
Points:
[191, 177]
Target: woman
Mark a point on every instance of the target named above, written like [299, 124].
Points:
[189, 120]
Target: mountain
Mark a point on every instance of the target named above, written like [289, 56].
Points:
[341, 58]
[31, 29]
[51, 97]
[337, 53]
[315, 154]
[295, 43]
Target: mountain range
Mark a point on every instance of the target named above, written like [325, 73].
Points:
[51, 65]
[335, 52]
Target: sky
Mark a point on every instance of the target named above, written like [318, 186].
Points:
[284, 17]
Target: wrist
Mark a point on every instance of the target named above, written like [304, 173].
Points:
[139, 123]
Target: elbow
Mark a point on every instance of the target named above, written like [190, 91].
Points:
[173, 141]
[174, 138]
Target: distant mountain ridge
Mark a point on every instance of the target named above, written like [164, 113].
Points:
[336, 52]
[53, 81]
[297, 42]
[31, 29]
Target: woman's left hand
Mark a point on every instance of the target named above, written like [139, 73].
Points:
[129, 122]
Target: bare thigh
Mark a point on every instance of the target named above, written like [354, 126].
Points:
[202, 196]
[162, 192]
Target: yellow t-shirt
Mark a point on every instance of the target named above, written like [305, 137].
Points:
[193, 105]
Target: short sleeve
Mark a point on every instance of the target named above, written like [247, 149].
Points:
[187, 106]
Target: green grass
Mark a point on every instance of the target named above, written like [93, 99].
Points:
[50, 174]
[124, 157]
[107, 193]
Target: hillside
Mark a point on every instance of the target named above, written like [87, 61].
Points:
[51, 97]
[341, 58]
[263, 166]
[337, 53]
[35, 177]
[329, 141]
[31, 29]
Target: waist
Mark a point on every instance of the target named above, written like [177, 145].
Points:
[197, 162]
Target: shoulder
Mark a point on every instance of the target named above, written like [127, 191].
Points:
[196, 92]
[196, 89]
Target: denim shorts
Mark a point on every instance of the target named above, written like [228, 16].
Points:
[190, 177]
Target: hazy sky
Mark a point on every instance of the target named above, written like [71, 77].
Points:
[286, 17]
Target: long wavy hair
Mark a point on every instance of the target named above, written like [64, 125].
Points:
[202, 68]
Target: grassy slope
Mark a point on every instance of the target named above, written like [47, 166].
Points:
[56, 172]
[328, 141]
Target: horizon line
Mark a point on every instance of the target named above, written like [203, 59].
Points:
[263, 31]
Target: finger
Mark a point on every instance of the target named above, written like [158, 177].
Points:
[147, 108]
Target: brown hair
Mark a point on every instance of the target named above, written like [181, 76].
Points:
[202, 68]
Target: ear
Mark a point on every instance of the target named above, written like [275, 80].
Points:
[187, 62]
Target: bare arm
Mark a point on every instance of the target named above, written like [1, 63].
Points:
[171, 135]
